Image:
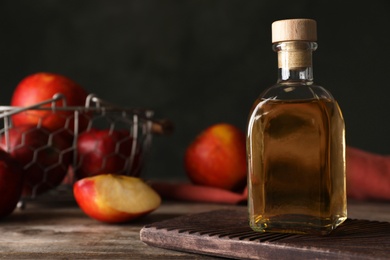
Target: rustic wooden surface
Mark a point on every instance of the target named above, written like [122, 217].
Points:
[60, 230]
[231, 237]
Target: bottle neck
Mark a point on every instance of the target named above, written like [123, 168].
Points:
[295, 60]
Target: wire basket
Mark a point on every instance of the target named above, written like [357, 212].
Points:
[59, 144]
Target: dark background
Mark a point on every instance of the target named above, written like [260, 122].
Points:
[199, 62]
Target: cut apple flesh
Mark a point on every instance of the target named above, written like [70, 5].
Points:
[126, 194]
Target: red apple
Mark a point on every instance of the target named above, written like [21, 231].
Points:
[115, 198]
[42, 86]
[217, 157]
[11, 181]
[45, 156]
[103, 151]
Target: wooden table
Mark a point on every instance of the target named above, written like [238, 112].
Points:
[48, 229]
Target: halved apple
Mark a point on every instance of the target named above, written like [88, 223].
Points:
[114, 198]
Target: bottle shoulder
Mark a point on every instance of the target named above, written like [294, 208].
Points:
[296, 91]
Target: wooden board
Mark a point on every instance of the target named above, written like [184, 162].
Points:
[226, 233]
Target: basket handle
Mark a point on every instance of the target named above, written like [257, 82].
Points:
[56, 97]
[162, 127]
[159, 127]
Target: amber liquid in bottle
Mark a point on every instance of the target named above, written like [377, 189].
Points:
[296, 149]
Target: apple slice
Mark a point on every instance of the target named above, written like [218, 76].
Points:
[114, 198]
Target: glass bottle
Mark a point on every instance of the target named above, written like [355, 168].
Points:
[296, 143]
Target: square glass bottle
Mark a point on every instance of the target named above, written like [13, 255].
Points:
[296, 143]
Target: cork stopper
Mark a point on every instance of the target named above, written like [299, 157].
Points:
[294, 30]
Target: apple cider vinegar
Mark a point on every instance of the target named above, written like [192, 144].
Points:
[296, 144]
